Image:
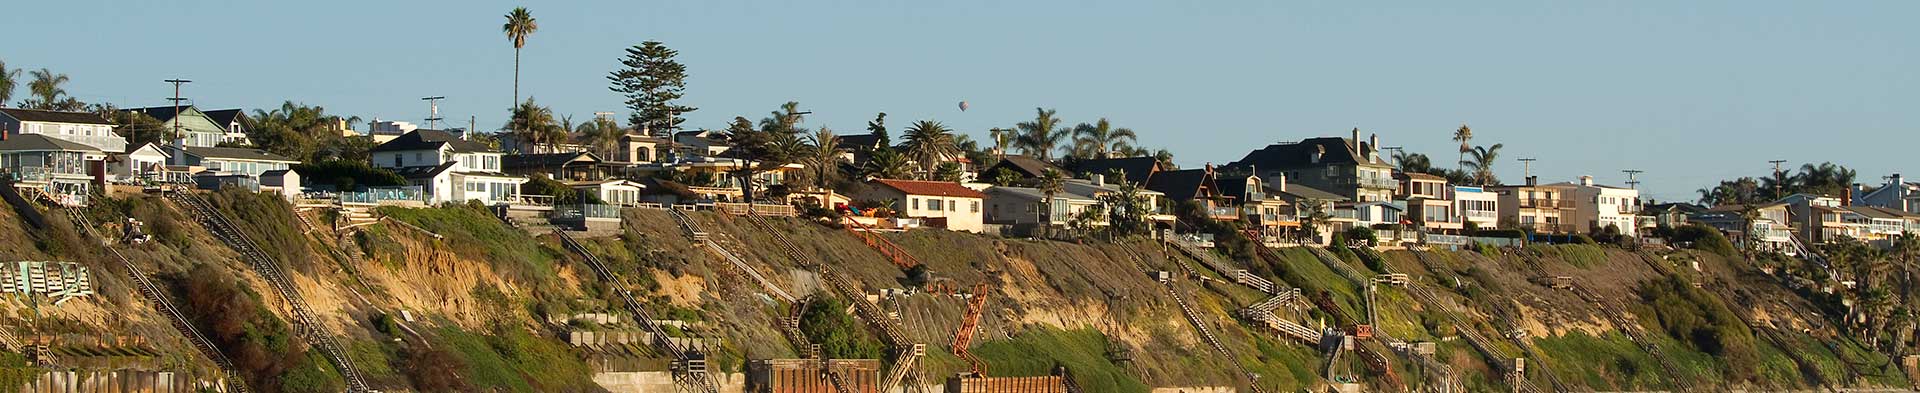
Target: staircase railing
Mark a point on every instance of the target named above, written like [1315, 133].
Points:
[1206, 335]
[969, 323]
[158, 300]
[306, 323]
[694, 232]
[692, 374]
[894, 253]
[873, 314]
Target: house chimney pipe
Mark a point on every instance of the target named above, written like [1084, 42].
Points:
[1356, 142]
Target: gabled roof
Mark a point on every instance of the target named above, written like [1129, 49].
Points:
[1025, 166]
[162, 113]
[1418, 176]
[54, 116]
[1681, 207]
[224, 117]
[1300, 154]
[1876, 212]
[37, 142]
[934, 188]
[1235, 186]
[236, 153]
[1729, 207]
[425, 139]
[546, 160]
[1182, 185]
[1137, 169]
[857, 141]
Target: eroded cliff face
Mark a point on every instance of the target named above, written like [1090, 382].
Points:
[496, 304]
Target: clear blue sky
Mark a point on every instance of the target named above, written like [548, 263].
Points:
[1689, 91]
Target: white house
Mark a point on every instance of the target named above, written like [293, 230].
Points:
[939, 204]
[146, 161]
[1596, 207]
[1478, 206]
[84, 128]
[448, 168]
[614, 191]
[286, 182]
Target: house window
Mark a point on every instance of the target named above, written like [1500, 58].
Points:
[396, 160]
[976, 206]
[933, 204]
[916, 203]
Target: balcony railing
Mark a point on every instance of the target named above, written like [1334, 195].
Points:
[1223, 212]
[1543, 227]
[1379, 182]
[384, 194]
[1488, 214]
[1546, 203]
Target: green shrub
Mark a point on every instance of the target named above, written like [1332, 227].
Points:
[1502, 233]
[1704, 238]
[1037, 351]
[347, 175]
[1363, 233]
[826, 323]
[1698, 318]
[1581, 238]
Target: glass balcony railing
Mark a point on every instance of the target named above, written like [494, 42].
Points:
[1489, 214]
[1223, 212]
[384, 194]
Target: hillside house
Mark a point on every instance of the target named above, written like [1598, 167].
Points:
[1350, 168]
[1136, 170]
[937, 204]
[1768, 228]
[1428, 201]
[1597, 207]
[1896, 194]
[84, 128]
[1546, 209]
[448, 168]
[567, 166]
[228, 161]
[235, 121]
[63, 168]
[1478, 206]
[1197, 186]
[188, 126]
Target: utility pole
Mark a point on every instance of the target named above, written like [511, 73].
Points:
[1528, 163]
[1777, 177]
[176, 105]
[433, 111]
[1395, 156]
[1632, 178]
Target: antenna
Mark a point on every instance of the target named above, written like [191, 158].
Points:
[1632, 177]
[1395, 156]
[433, 111]
[176, 103]
[1528, 162]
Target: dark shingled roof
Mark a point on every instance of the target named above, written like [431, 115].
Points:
[1024, 166]
[1296, 155]
[425, 139]
[1183, 184]
[1138, 169]
[223, 117]
[54, 116]
[236, 153]
[37, 142]
[423, 172]
[858, 141]
[1300, 191]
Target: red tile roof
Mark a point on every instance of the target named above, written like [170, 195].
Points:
[934, 188]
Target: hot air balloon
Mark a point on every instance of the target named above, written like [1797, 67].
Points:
[963, 106]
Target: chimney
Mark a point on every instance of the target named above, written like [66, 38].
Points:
[1280, 184]
[1373, 147]
[1099, 180]
[1586, 180]
[1533, 180]
[1356, 142]
[1318, 152]
[1847, 198]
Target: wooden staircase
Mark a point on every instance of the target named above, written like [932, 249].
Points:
[1206, 335]
[894, 253]
[906, 358]
[305, 321]
[700, 236]
[151, 292]
[690, 371]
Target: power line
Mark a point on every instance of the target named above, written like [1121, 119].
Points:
[176, 104]
[433, 111]
[1632, 178]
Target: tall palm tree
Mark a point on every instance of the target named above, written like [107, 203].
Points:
[1101, 139]
[822, 157]
[1462, 135]
[520, 24]
[9, 78]
[46, 86]
[1038, 137]
[1412, 162]
[786, 120]
[1481, 163]
[929, 143]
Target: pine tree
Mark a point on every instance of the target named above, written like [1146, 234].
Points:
[652, 80]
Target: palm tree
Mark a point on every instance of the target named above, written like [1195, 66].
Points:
[822, 157]
[1481, 164]
[535, 124]
[601, 133]
[1412, 162]
[1038, 137]
[1001, 137]
[1101, 139]
[885, 163]
[929, 143]
[786, 120]
[1463, 135]
[520, 24]
[1164, 158]
[46, 86]
[8, 80]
